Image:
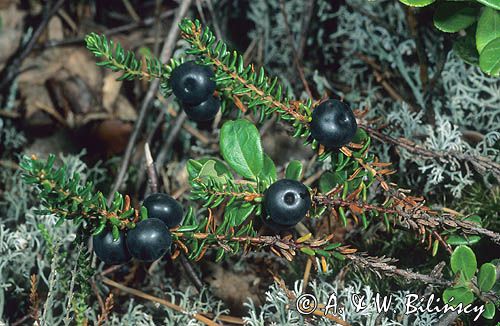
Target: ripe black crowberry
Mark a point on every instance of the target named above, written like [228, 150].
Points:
[204, 111]
[109, 250]
[333, 124]
[149, 240]
[165, 208]
[192, 83]
[286, 202]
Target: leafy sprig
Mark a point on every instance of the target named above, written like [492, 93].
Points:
[114, 57]
[66, 197]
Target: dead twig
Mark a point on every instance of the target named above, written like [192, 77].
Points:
[153, 182]
[480, 163]
[296, 59]
[196, 315]
[382, 265]
[165, 55]
[13, 65]
[108, 306]
[34, 300]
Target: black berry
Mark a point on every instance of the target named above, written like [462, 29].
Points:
[165, 208]
[111, 251]
[192, 83]
[286, 202]
[149, 240]
[204, 111]
[275, 226]
[333, 124]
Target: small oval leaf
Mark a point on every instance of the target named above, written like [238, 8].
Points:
[456, 295]
[451, 17]
[417, 3]
[488, 28]
[294, 170]
[463, 260]
[241, 147]
[489, 59]
[487, 277]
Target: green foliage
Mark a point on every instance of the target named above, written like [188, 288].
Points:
[460, 294]
[241, 148]
[487, 277]
[464, 261]
[490, 3]
[488, 28]
[457, 240]
[64, 195]
[294, 170]
[454, 16]
[451, 17]
[489, 60]
[464, 266]
[83, 289]
[417, 3]
[114, 57]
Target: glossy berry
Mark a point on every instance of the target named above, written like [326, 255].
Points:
[111, 251]
[275, 226]
[149, 240]
[192, 83]
[165, 208]
[286, 202]
[333, 124]
[204, 111]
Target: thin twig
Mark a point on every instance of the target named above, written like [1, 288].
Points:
[176, 128]
[382, 265]
[307, 273]
[480, 163]
[14, 63]
[146, 22]
[199, 317]
[153, 182]
[294, 50]
[131, 11]
[166, 53]
[152, 175]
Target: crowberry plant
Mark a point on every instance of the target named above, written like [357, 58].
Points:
[241, 184]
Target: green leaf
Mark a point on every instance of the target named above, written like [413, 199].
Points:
[457, 240]
[451, 17]
[491, 3]
[237, 213]
[116, 232]
[463, 260]
[330, 179]
[489, 310]
[417, 3]
[268, 170]
[488, 28]
[459, 294]
[294, 170]
[193, 168]
[465, 48]
[360, 136]
[489, 59]
[241, 147]
[487, 277]
[144, 213]
[308, 251]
